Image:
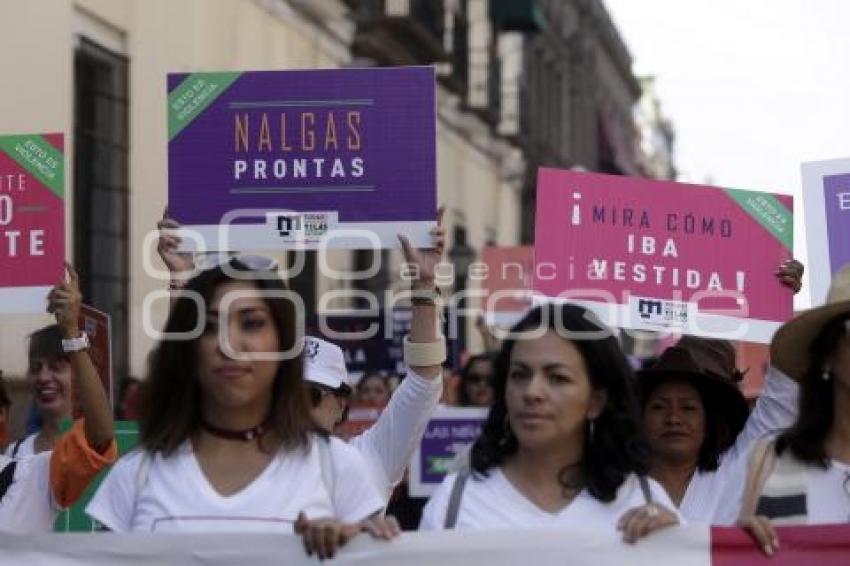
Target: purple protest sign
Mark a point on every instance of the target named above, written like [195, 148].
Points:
[826, 201]
[288, 157]
[448, 434]
[837, 197]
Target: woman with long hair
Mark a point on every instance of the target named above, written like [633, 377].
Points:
[562, 444]
[226, 439]
[803, 477]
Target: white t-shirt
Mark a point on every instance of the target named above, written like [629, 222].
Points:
[827, 495]
[715, 497]
[175, 496]
[494, 503]
[28, 506]
[388, 445]
[27, 447]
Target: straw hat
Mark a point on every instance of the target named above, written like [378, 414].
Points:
[791, 345]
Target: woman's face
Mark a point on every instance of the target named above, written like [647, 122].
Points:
[548, 393]
[50, 380]
[373, 391]
[479, 384]
[674, 421]
[229, 383]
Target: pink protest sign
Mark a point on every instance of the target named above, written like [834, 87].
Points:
[658, 255]
[507, 275]
[32, 212]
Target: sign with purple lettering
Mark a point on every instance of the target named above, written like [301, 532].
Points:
[826, 201]
[443, 447]
[341, 158]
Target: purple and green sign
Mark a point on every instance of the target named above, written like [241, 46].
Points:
[285, 158]
[449, 434]
[32, 220]
[826, 200]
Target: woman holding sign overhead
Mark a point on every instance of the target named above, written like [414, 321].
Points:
[699, 425]
[561, 445]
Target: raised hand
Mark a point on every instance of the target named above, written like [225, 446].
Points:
[790, 274]
[176, 262]
[424, 261]
[64, 301]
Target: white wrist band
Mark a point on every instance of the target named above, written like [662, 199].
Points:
[419, 354]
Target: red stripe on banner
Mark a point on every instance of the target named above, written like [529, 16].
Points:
[821, 545]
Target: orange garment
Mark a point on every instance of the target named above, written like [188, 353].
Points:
[74, 464]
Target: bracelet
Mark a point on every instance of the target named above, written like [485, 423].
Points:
[174, 286]
[419, 354]
[429, 296]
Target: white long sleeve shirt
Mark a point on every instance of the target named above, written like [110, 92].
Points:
[715, 497]
[388, 445]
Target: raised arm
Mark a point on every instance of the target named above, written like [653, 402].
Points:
[64, 302]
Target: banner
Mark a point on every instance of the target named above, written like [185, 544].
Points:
[287, 159]
[507, 280]
[658, 255]
[32, 220]
[448, 435]
[691, 546]
[826, 203]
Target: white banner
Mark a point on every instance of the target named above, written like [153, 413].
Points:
[674, 547]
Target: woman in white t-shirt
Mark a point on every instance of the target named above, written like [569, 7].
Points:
[561, 446]
[226, 439]
[804, 477]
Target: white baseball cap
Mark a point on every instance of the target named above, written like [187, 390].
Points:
[324, 364]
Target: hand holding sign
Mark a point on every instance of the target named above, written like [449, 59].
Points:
[64, 302]
[169, 241]
[424, 262]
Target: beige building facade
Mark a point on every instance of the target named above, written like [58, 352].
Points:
[479, 175]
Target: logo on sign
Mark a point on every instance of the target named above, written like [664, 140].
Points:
[287, 226]
[657, 311]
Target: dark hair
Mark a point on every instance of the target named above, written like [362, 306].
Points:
[806, 437]
[5, 400]
[170, 398]
[46, 343]
[463, 399]
[618, 447]
[720, 434]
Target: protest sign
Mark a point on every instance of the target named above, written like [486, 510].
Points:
[826, 203]
[74, 519]
[373, 341]
[283, 159]
[449, 433]
[98, 327]
[658, 255]
[694, 545]
[32, 220]
[507, 277]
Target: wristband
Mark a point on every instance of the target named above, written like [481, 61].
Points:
[419, 354]
[78, 344]
[429, 296]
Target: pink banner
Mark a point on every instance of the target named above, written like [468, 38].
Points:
[660, 255]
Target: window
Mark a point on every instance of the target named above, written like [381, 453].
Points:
[101, 223]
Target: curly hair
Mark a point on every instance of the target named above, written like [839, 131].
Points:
[807, 436]
[617, 448]
[170, 398]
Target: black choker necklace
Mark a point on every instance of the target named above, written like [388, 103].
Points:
[243, 435]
